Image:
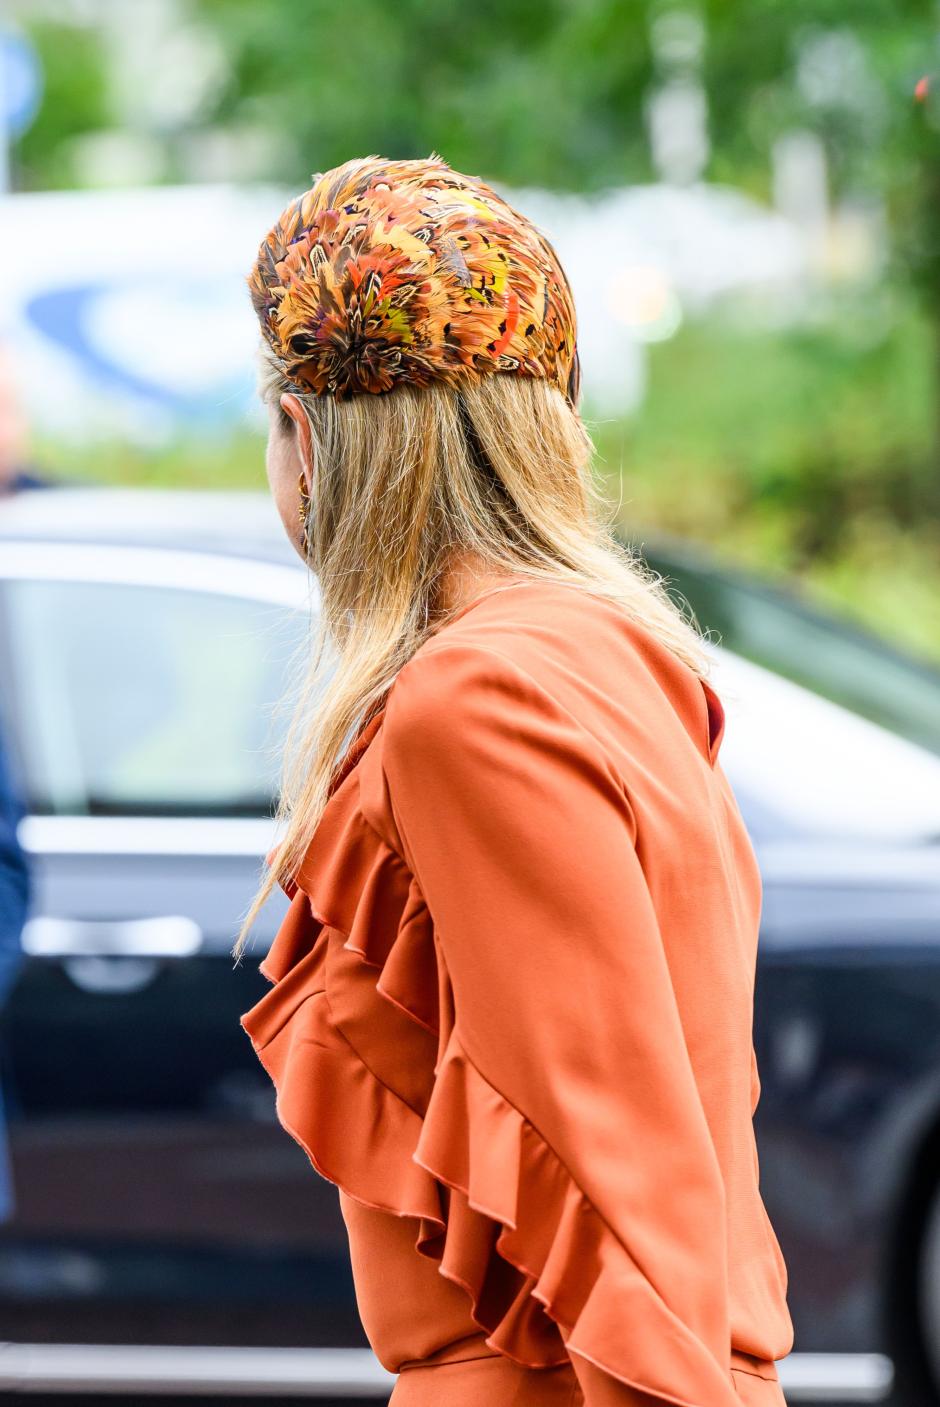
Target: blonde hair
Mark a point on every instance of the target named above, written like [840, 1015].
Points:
[502, 469]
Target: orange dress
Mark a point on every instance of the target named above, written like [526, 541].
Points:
[511, 1018]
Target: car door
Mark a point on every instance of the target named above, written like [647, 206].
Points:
[156, 1197]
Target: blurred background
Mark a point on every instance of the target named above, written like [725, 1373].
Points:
[746, 198]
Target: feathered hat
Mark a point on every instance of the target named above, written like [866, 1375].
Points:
[392, 273]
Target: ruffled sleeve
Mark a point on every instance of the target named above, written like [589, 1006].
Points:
[565, 1111]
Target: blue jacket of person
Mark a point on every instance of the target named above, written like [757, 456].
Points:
[14, 905]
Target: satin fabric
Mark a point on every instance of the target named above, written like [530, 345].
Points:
[442, 1358]
[511, 1018]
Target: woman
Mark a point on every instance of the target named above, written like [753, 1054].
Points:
[511, 1002]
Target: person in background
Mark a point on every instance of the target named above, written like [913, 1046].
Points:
[14, 904]
[16, 471]
[16, 475]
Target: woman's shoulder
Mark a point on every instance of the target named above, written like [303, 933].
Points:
[529, 627]
[539, 648]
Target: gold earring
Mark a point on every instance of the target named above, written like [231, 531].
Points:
[303, 511]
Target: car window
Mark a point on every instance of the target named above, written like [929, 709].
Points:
[136, 699]
[824, 655]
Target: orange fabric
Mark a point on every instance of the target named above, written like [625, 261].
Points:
[490, 1381]
[511, 1015]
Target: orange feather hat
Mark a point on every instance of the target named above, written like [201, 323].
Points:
[390, 273]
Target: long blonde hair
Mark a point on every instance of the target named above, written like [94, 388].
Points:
[501, 469]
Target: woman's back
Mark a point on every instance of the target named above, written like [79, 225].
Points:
[526, 933]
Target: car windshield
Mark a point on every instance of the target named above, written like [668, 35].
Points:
[831, 657]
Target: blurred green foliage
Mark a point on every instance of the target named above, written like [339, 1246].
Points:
[535, 92]
[800, 454]
[75, 100]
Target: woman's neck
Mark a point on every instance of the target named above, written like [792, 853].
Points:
[466, 576]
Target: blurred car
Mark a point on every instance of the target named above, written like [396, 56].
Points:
[774, 626]
[146, 639]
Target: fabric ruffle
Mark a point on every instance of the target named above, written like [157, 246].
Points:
[358, 1035]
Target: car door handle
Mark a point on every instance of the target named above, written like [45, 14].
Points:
[169, 936]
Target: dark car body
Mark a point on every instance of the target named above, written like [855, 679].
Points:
[145, 640]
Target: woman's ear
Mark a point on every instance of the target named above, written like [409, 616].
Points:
[292, 408]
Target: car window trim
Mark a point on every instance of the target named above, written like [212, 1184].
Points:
[186, 836]
[174, 569]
